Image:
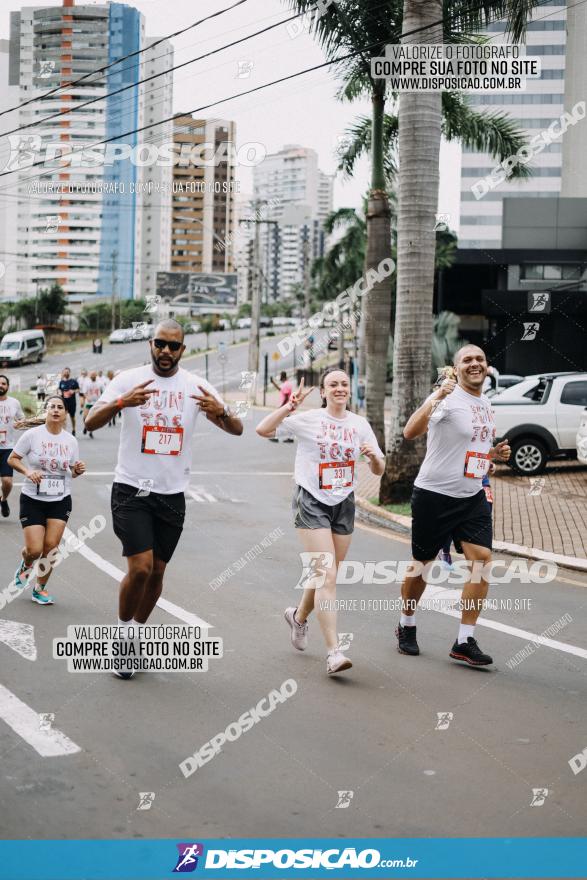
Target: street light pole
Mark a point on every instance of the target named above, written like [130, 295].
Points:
[114, 257]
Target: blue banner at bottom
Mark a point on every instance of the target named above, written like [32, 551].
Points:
[383, 858]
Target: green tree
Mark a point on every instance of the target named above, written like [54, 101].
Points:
[132, 311]
[342, 264]
[208, 324]
[420, 125]
[52, 304]
[370, 25]
[24, 312]
[95, 317]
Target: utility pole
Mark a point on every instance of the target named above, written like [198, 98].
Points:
[254, 339]
[114, 257]
[306, 271]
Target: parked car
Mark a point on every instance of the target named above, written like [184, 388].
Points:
[540, 416]
[243, 323]
[506, 380]
[123, 334]
[581, 438]
[22, 347]
[141, 332]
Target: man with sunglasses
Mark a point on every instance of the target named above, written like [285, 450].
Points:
[160, 404]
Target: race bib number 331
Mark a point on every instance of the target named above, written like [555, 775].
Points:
[158, 440]
[336, 474]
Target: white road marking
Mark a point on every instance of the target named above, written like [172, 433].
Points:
[199, 493]
[116, 573]
[49, 743]
[484, 621]
[20, 637]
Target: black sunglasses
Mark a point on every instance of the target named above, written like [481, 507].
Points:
[161, 343]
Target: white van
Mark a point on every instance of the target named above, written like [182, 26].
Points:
[22, 347]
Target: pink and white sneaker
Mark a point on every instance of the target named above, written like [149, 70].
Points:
[299, 631]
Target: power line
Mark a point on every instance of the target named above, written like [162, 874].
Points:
[196, 110]
[124, 57]
[61, 113]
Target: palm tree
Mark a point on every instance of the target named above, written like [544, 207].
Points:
[345, 27]
[343, 262]
[420, 127]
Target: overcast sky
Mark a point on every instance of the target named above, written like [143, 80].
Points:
[303, 111]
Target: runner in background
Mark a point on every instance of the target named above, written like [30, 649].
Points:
[285, 392]
[11, 416]
[160, 403]
[92, 391]
[108, 378]
[82, 379]
[68, 388]
[52, 456]
[330, 442]
[41, 387]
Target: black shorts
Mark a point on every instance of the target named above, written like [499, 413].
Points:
[36, 513]
[152, 522]
[69, 404]
[5, 469]
[313, 514]
[438, 518]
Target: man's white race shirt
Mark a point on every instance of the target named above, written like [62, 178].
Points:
[10, 411]
[156, 438]
[461, 424]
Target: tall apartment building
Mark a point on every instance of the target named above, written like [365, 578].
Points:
[156, 190]
[9, 97]
[79, 220]
[203, 201]
[291, 189]
[534, 109]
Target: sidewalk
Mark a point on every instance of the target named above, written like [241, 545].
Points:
[549, 525]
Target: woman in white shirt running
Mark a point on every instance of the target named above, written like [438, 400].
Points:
[330, 441]
[52, 456]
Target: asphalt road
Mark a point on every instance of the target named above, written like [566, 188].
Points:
[373, 732]
[122, 357]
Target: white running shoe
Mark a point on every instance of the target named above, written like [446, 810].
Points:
[336, 661]
[299, 631]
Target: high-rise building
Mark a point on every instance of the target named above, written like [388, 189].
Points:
[79, 213]
[156, 180]
[9, 96]
[290, 188]
[534, 109]
[203, 201]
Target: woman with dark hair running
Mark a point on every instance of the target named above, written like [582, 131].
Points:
[52, 456]
[330, 441]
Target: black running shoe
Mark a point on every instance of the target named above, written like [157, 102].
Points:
[5, 508]
[471, 653]
[406, 640]
[125, 675]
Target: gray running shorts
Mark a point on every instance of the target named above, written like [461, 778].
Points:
[309, 513]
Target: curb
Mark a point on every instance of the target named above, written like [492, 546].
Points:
[403, 524]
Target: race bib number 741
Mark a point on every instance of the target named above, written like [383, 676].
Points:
[476, 464]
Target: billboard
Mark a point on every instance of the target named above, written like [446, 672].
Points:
[200, 291]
